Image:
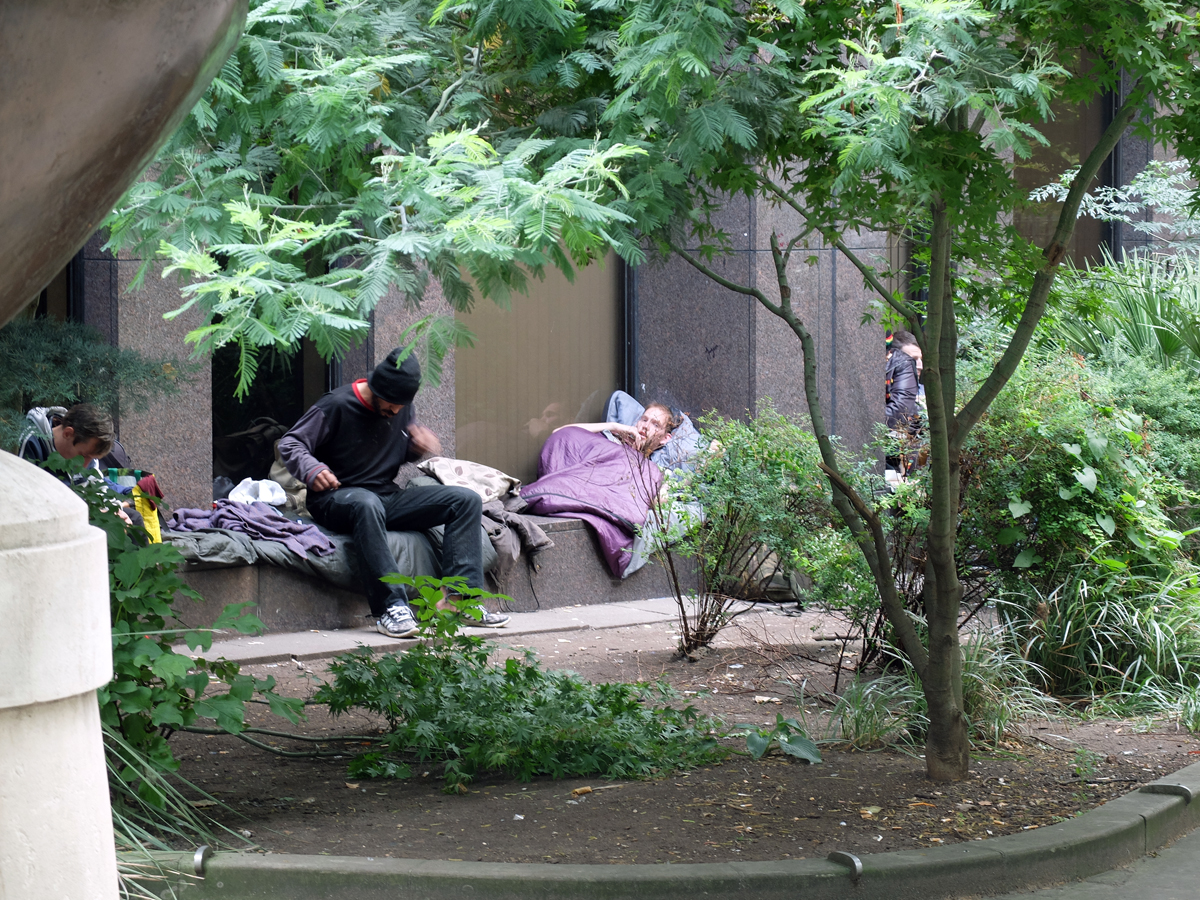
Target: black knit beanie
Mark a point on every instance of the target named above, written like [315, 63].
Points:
[396, 384]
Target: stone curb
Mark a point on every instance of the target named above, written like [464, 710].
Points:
[1115, 834]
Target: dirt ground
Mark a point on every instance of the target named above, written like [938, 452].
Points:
[774, 808]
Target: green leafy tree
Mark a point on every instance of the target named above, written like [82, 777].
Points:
[44, 362]
[346, 149]
[905, 118]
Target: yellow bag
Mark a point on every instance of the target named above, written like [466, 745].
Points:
[144, 504]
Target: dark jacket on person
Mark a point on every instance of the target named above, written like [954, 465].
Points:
[900, 400]
[343, 434]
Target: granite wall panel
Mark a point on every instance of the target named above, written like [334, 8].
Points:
[694, 337]
[172, 437]
[434, 405]
[829, 298]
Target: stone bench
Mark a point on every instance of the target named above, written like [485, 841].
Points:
[572, 572]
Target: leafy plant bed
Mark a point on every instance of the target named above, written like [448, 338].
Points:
[745, 809]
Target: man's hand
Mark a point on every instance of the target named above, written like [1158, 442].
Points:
[424, 441]
[324, 480]
[626, 434]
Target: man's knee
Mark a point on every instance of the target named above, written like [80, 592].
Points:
[465, 502]
[353, 508]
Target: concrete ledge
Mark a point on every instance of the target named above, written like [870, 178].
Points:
[572, 572]
[1112, 835]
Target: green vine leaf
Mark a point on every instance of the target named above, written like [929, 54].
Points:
[1019, 508]
[1087, 477]
[1025, 559]
[1107, 523]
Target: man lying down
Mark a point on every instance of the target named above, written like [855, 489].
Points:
[608, 473]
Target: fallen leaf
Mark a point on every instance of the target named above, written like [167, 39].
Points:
[353, 787]
[580, 791]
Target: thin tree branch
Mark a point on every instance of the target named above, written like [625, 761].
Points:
[892, 606]
[290, 754]
[1054, 253]
[721, 280]
[868, 272]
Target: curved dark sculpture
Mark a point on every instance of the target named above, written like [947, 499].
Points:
[89, 89]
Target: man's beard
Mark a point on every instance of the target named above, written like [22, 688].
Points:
[379, 408]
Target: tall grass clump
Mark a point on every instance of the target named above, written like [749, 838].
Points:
[1120, 642]
[998, 694]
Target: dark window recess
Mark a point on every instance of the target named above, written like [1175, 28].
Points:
[245, 431]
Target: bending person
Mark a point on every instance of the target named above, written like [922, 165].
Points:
[83, 430]
[347, 449]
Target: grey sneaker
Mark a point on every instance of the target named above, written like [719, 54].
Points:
[489, 620]
[397, 622]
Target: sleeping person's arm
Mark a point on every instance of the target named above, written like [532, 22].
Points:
[624, 432]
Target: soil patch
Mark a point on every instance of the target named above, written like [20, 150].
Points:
[774, 808]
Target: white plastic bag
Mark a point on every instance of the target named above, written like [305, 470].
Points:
[248, 490]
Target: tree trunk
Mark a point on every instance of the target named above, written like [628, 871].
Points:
[947, 749]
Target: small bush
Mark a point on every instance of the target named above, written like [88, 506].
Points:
[890, 709]
[156, 690]
[740, 517]
[444, 702]
[1055, 475]
[48, 363]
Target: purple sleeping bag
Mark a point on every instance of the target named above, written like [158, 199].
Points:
[586, 476]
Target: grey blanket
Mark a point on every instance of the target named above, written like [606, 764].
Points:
[257, 520]
[218, 548]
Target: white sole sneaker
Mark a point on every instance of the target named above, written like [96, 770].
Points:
[398, 626]
[489, 620]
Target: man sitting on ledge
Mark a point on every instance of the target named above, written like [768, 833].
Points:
[347, 449]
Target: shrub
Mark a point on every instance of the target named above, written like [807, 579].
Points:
[741, 517]
[444, 702]
[1054, 475]
[891, 709]
[154, 689]
[1128, 637]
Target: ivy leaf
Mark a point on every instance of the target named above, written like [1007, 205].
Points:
[170, 667]
[1068, 493]
[1107, 523]
[1019, 508]
[1025, 559]
[1139, 540]
[1008, 536]
[1098, 445]
[1087, 478]
[1074, 449]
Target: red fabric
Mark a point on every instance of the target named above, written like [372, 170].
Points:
[358, 393]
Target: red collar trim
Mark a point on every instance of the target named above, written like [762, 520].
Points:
[358, 393]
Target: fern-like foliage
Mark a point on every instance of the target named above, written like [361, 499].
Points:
[345, 151]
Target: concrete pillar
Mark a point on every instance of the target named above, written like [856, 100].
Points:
[56, 837]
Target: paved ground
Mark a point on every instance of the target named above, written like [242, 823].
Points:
[1170, 874]
[303, 645]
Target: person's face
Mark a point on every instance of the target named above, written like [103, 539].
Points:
[652, 429]
[68, 449]
[384, 408]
